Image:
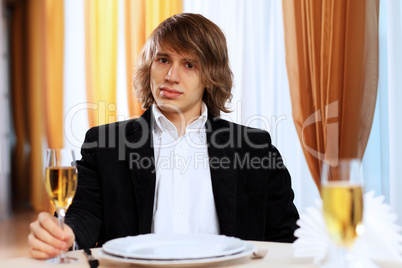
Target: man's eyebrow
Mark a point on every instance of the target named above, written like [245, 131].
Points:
[162, 54]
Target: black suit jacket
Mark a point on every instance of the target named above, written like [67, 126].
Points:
[116, 183]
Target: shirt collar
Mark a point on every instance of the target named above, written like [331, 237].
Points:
[161, 123]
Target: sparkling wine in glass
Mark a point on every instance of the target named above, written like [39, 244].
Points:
[61, 184]
[342, 195]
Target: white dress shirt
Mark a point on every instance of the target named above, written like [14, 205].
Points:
[184, 202]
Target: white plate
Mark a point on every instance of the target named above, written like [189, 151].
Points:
[174, 246]
[206, 262]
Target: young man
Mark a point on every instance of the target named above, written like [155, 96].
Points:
[178, 168]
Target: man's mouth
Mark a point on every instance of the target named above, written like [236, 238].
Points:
[170, 93]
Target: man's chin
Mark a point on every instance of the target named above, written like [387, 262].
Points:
[169, 107]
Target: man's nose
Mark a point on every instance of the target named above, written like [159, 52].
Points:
[173, 75]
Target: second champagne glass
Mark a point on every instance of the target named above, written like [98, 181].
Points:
[342, 194]
[61, 184]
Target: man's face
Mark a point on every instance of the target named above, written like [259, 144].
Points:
[175, 83]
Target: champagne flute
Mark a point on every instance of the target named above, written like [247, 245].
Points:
[342, 194]
[61, 184]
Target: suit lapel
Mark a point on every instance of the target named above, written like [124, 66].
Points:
[140, 157]
[224, 180]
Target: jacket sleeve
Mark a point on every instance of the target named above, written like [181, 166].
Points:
[281, 215]
[85, 213]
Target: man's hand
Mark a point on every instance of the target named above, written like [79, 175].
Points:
[47, 239]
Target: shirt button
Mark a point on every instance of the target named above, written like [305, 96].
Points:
[180, 210]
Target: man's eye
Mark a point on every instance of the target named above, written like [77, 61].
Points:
[163, 60]
[189, 65]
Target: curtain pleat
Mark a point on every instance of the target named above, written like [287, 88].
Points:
[101, 59]
[141, 18]
[53, 52]
[158, 10]
[20, 177]
[35, 94]
[135, 39]
[332, 64]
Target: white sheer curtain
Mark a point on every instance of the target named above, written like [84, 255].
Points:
[254, 32]
[75, 97]
[394, 59]
[382, 158]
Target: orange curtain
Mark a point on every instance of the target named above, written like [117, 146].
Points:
[45, 89]
[332, 65]
[141, 18]
[53, 52]
[37, 85]
[19, 170]
[101, 19]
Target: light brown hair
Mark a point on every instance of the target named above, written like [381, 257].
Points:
[196, 35]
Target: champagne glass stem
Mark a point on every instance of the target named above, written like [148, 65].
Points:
[345, 257]
[61, 213]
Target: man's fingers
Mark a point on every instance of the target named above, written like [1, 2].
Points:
[39, 246]
[39, 254]
[47, 238]
[44, 236]
[50, 223]
[70, 237]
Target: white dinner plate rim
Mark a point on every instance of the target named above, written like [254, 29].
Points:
[249, 248]
[112, 246]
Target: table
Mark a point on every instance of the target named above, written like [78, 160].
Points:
[280, 255]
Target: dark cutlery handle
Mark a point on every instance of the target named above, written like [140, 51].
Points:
[93, 263]
[88, 252]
